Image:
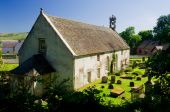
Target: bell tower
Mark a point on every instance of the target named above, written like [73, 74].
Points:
[112, 22]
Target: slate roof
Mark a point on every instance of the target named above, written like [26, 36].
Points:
[85, 39]
[144, 44]
[9, 44]
[148, 44]
[37, 62]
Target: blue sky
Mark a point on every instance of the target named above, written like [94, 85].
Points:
[20, 15]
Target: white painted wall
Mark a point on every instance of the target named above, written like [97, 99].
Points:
[90, 64]
[122, 57]
[57, 53]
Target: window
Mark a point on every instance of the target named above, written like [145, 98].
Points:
[42, 45]
[107, 63]
[89, 76]
[140, 51]
[121, 52]
[98, 72]
[98, 57]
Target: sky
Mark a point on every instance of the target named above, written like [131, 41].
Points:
[20, 15]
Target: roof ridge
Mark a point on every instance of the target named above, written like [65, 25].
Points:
[77, 21]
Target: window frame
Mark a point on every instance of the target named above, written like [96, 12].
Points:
[42, 45]
[98, 57]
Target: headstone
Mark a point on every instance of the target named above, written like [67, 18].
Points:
[132, 84]
[110, 86]
[113, 79]
[119, 82]
[104, 79]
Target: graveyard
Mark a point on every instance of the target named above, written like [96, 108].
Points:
[123, 86]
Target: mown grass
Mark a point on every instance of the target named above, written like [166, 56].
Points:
[105, 91]
[7, 67]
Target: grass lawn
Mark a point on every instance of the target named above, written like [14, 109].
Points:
[125, 85]
[105, 91]
[7, 67]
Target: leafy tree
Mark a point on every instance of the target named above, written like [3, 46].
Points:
[131, 38]
[158, 67]
[146, 35]
[162, 29]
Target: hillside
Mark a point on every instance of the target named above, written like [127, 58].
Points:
[13, 36]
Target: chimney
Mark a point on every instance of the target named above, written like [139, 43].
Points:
[112, 22]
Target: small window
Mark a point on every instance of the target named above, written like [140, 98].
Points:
[122, 52]
[140, 51]
[98, 57]
[42, 45]
[98, 72]
[89, 76]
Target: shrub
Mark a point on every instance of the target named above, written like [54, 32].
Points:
[132, 84]
[113, 79]
[119, 82]
[110, 86]
[104, 79]
[138, 78]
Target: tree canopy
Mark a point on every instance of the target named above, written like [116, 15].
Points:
[131, 38]
[146, 35]
[162, 29]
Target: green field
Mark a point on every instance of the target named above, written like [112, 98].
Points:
[13, 36]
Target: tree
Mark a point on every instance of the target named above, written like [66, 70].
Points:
[162, 29]
[146, 35]
[131, 38]
[159, 65]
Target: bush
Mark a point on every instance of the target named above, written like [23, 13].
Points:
[110, 86]
[113, 79]
[104, 79]
[131, 84]
[119, 82]
[138, 78]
